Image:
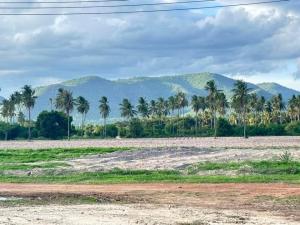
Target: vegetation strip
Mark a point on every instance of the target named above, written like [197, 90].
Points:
[30, 155]
[145, 176]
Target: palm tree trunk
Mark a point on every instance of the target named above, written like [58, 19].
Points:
[68, 126]
[82, 123]
[29, 127]
[244, 121]
[215, 124]
[104, 127]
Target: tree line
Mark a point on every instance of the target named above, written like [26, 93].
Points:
[244, 108]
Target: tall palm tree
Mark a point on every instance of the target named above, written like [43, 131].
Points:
[5, 109]
[83, 107]
[143, 107]
[18, 100]
[172, 104]
[104, 111]
[212, 96]
[160, 107]
[196, 107]
[181, 102]
[292, 108]
[12, 107]
[153, 108]
[127, 109]
[28, 99]
[241, 97]
[64, 101]
[6, 115]
[253, 105]
[277, 106]
[222, 103]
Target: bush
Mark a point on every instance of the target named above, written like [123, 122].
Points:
[135, 128]
[224, 128]
[53, 125]
[293, 128]
[12, 131]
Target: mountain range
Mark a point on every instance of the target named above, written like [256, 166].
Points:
[93, 88]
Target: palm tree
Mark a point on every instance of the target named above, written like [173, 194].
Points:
[28, 99]
[222, 103]
[196, 107]
[254, 105]
[5, 109]
[12, 107]
[83, 106]
[153, 108]
[278, 106]
[212, 101]
[64, 101]
[172, 104]
[172, 107]
[18, 100]
[104, 111]
[21, 118]
[292, 108]
[181, 102]
[241, 98]
[127, 109]
[143, 107]
[160, 107]
[6, 115]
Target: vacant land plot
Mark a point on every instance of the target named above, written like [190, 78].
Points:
[151, 181]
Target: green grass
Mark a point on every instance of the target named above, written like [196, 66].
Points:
[120, 176]
[30, 155]
[255, 167]
[22, 166]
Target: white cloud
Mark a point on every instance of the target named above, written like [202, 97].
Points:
[244, 40]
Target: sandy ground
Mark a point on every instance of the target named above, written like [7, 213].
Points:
[111, 214]
[158, 204]
[252, 142]
[173, 158]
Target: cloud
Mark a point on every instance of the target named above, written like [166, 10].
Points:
[241, 40]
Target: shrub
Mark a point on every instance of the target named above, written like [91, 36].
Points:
[53, 125]
[293, 128]
[135, 128]
[224, 128]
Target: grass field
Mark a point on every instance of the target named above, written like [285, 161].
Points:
[52, 160]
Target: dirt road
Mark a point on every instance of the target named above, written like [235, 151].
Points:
[235, 142]
[265, 204]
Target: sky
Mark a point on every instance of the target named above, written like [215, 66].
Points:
[256, 43]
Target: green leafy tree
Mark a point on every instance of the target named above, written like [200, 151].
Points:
[28, 99]
[104, 110]
[53, 125]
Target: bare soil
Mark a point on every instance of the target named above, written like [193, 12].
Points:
[158, 204]
[178, 158]
[234, 142]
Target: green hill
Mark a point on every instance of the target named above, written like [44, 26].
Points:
[93, 87]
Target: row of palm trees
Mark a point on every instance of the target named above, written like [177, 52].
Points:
[18, 100]
[246, 107]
